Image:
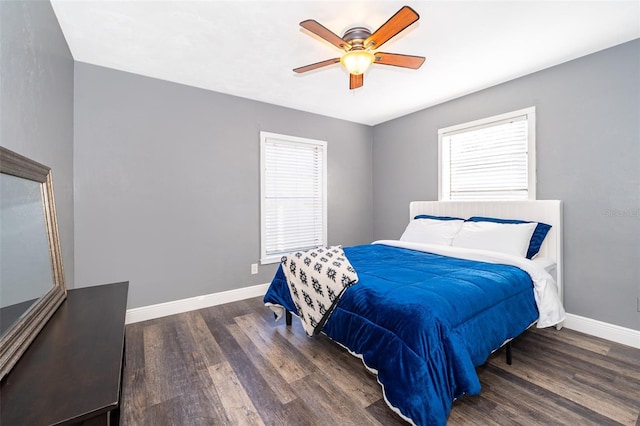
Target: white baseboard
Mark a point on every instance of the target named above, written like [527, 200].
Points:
[615, 333]
[184, 305]
[604, 330]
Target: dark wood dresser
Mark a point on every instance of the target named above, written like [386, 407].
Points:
[72, 372]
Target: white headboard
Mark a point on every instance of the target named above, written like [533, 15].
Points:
[547, 211]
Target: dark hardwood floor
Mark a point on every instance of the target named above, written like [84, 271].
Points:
[233, 365]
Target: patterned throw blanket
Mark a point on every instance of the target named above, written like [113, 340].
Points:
[317, 278]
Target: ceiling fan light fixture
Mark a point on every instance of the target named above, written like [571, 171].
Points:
[357, 61]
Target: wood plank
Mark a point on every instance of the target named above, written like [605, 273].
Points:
[198, 342]
[180, 410]
[234, 398]
[468, 414]
[346, 371]
[134, 382]
[165, 372]
[200, 352]
[267, 403]
[331, 403]
[274, 348]
[134, 392]
[383, 414]
[271, 375]
[134, 343]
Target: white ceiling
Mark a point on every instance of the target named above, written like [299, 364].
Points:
[249, 48]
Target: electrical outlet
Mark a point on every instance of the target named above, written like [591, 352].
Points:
[254, 268]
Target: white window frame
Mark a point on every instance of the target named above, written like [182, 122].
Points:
[443, 153]
[264, 136]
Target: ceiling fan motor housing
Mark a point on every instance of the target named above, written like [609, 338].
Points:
[356, 36]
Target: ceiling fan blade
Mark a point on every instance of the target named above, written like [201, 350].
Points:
[316, 65]
[322, 32]
[404, 61]
[355, 81]
[398, 22]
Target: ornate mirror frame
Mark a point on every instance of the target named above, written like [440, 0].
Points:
[15, 341]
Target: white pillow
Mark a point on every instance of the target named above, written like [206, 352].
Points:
[510, 238]
[431, 231]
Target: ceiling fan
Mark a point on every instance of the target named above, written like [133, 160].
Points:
[359, 44]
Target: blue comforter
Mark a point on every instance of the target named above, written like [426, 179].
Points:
[424, 321]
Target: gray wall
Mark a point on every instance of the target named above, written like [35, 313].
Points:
[588, 155]
[167, 184]
[36, 102]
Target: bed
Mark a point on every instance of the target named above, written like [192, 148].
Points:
[424, 313]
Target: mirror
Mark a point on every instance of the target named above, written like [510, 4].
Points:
[31, 274]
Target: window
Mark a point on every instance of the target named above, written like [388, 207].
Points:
[293, 206]
[489, 159]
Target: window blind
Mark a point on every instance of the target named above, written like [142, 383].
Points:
[293, 202]
[488, 162]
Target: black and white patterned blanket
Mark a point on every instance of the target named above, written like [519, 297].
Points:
[317, 278]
